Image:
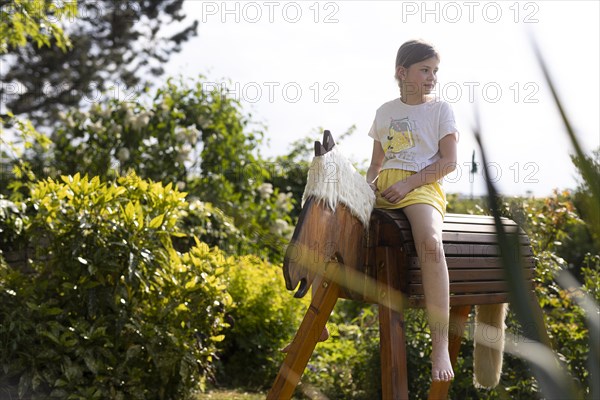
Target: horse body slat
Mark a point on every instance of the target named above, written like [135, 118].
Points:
[477, 237]
[476, 219]
[482, 228]
[472, 262]
[460, 275]
[466, 288]
[398, 215]
[469, 249]
[465, 299]
[405, 236]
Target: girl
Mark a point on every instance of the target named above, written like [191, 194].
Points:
[415, 142]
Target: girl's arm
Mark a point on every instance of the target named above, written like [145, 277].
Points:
[433, 173]
[376, 162]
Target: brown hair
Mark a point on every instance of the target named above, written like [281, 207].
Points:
[412, 52]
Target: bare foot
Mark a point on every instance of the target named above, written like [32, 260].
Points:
[441, 367]
[324, 336]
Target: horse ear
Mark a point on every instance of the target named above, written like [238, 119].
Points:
[319, 149]
[328, 141]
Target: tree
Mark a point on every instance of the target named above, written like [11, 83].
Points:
[21, 20]
[115, 44]
[185, 135]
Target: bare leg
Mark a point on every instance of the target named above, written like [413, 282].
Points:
[325, 334]
[426, 223]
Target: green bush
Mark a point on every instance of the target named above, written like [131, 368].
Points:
[347, 365]
[265, 318]
[186, 135]
[210, 224]
[105, 307]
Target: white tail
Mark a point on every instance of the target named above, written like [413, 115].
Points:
[489, 344]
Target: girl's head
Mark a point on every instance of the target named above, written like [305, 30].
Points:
[413, 52]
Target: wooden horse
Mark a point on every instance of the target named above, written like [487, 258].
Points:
[344, 249]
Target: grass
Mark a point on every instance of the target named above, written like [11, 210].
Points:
[222, 394]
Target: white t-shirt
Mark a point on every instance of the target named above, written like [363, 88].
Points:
[410, 134]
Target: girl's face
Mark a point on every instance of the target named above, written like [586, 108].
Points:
[420, 78]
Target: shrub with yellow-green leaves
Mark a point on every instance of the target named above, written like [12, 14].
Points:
[100, 305]
[264, 320]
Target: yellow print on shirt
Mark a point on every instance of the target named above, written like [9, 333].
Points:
[400, 136]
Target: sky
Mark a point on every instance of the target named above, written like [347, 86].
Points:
[299, 67]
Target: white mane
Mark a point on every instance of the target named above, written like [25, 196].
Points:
[332, 179]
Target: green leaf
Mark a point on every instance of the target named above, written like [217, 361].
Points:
[129, 212]
[24, 385]
[156, 222]
[52, 311]
[50, 336]
[133, 351]
[217, 338]
[91, 362]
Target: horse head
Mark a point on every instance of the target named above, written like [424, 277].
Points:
[336, 207]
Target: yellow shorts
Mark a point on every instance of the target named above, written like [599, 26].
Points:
[431, 193]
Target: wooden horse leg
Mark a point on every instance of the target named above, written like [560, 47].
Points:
[392, 339]
[456, 328]
[307, 336]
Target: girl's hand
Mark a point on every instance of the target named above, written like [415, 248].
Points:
[395, 193]
[373, 186]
